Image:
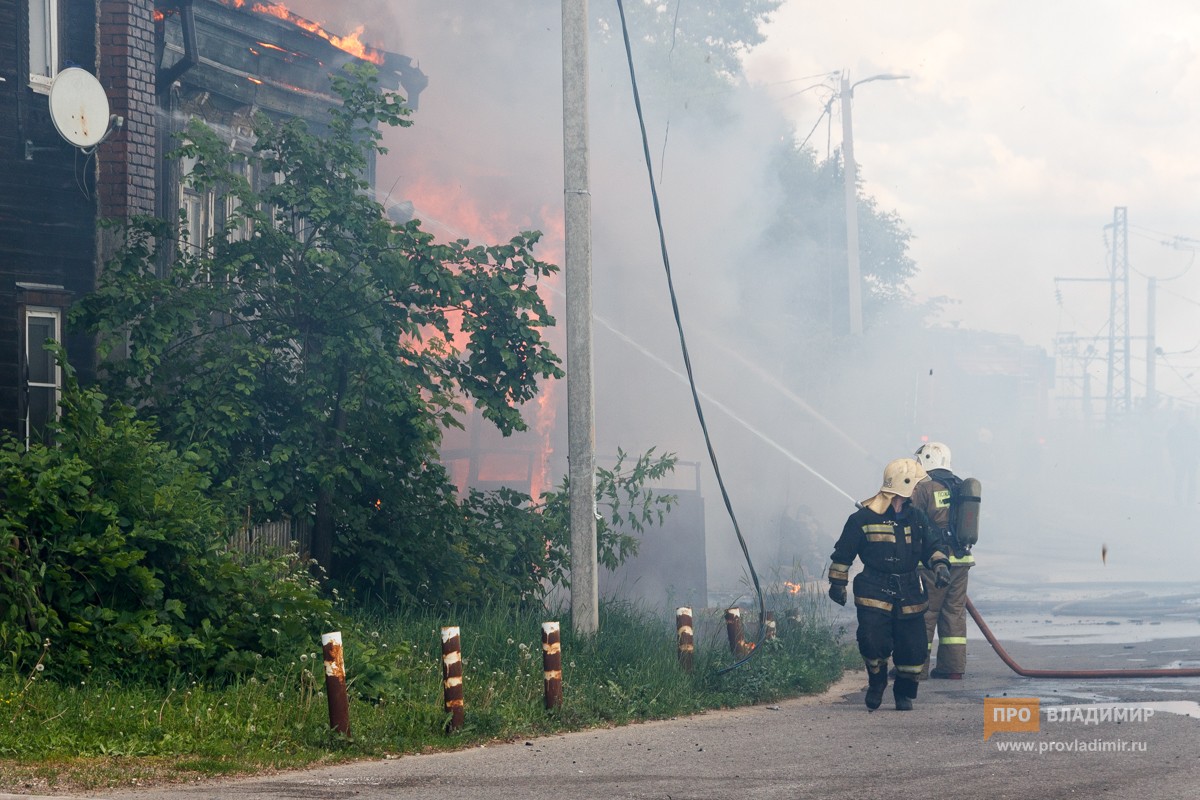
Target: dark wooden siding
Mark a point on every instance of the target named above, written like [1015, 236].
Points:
[47, 189]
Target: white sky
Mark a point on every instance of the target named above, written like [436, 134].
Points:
[1023, 125]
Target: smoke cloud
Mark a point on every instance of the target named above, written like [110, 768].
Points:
[484, 160]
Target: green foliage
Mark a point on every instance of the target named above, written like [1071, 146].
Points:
[112, 553]
[693, 47]
[625, 503]
[310, 351]
[500, 546]
[807, 242]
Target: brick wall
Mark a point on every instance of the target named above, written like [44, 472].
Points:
[126, 68]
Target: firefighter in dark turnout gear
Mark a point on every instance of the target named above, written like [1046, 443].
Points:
[947, 604]
[890, 537]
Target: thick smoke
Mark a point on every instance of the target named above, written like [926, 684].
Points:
[484, 160]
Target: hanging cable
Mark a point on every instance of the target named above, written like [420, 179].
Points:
[687, 361]
[815, 124]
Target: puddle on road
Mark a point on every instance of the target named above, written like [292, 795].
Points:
[1062, 694]
[1088, 630]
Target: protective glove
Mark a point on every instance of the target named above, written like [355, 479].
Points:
[941, 576]
[837, 593]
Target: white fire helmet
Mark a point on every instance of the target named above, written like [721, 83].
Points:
[901, 476]
[934, 455]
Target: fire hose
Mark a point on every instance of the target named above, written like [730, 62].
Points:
[1176, 672]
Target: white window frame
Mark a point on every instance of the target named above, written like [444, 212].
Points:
[55, 385]
[43, 30]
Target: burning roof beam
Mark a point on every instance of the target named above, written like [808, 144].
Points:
[264, 59]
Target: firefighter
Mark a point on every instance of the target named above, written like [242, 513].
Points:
[947, 604]
[890, 536]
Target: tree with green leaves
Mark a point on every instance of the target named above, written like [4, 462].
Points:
[311, 350]
[699, 45]
[804, 246]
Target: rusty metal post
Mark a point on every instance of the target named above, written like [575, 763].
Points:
[552, 664]
[769, 624]
[685, 637]
[452, 676]
[733, 628]
[335, 682]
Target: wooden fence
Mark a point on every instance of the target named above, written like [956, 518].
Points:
[271, 538]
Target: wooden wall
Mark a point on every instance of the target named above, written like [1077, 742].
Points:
[47, 189]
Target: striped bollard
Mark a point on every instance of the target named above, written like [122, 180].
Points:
[452, 676]
[552, 664]
[685, 637]
[733, 628]
[335, 682]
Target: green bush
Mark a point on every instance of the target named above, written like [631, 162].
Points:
[111, 551]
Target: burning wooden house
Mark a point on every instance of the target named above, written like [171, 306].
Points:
[161, 63]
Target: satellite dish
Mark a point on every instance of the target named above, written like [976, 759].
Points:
[79, 107]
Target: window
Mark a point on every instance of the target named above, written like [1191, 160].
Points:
[210, 211]
[245, 227]
[43, 43]
[43, 377]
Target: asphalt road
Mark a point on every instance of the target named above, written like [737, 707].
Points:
[831, 746]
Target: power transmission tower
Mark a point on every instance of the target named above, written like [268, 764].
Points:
[1072, 356]
[1119, 379]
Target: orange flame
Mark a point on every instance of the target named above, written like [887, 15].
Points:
[448, 211]
[352, 44]
[793, 588]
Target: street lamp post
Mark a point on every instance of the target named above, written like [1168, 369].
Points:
[850, 176]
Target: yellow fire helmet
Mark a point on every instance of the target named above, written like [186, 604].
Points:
[901, 476]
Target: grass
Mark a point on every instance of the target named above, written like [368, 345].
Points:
[112, 731]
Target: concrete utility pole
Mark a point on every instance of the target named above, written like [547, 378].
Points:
[850, 178]
[581, 423]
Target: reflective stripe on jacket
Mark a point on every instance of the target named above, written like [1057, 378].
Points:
[890, 546]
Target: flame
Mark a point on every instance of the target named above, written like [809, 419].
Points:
[793, 588]
[449, 212]
[351, 43]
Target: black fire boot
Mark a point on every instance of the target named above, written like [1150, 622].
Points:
[875, 695]
[904, 690]
[876, 682]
